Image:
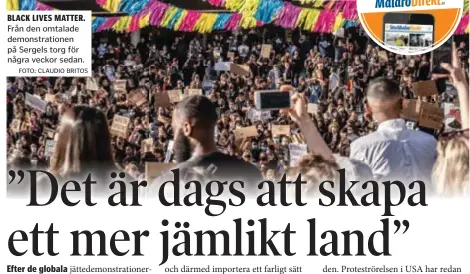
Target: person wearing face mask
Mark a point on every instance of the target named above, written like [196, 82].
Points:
[194, 120]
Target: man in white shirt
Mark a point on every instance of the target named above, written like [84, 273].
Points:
[393, 152]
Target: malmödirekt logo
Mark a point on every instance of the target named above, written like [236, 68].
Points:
[406, 3]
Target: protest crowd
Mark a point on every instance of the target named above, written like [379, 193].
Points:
[339, 82]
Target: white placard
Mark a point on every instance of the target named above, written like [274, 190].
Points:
[35, 102]
[296, 152]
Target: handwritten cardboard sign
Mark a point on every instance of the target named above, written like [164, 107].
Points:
[245, 132]
[266, 50]
[280, 130]
[50, 147]
[35, 102]
[425, 88]
[411, 109]
[431, 116]
[50, 97]
[312, 108]
[120, 126]
[120, 86]
[296, 152]
[49, 132]
[15, 125]
[154, 169]
[162, 99]
[192, 92]
[383, 57]
[239, 69]
[137, 98]
[175, 95]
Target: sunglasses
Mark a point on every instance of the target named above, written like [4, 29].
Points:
[454, 134]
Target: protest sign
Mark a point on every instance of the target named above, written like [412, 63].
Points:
[137, 98]
[240, 69]
[192, 92]
[296, 152]
[162, 99]
[175, 95]
[50, 98]
[383, 57]
[280, 130]
[312, 108]
[411, 109]
[430, 116]
[259, 115]
[92, 84]
[222, 66]
[50, 147]
[35, 102]
[425, 88]
[49, 132]
[452, 117]
[120, 86]
[120, 126]
[245, 132]
[266, 50]
[265, 115]
[15, 125]
[155, 169]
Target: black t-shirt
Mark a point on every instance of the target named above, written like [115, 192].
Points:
[216, 166]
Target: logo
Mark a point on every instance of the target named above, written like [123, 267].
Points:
[381, 4]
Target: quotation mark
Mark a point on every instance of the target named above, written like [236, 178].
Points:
[398, 224]
[12, 174]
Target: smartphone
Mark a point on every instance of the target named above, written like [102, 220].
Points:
[408, 32]
[272, 100]
[442, 54]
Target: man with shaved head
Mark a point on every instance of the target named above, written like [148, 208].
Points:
[393, 152]
[194, 120]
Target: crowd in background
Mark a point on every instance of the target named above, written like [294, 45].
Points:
[329, 71]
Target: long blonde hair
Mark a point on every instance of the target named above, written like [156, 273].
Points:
[450, 173]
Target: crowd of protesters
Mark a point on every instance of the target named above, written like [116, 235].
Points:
[332, 72]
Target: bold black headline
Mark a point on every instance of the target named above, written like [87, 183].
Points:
[215, 196]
